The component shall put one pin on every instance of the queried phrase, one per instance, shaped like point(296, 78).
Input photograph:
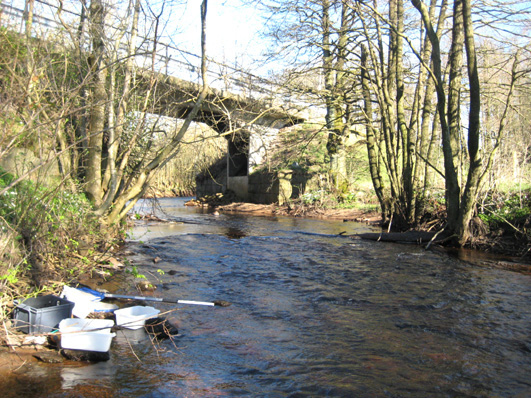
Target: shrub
point(40, 231)
point(507, 211)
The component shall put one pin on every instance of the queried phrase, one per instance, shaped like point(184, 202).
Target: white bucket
point(134, 317)
point(86, 334)
point(87, 341)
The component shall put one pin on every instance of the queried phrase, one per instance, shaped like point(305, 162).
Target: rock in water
point(85, 356)
point(161, 328)
point(49, 357)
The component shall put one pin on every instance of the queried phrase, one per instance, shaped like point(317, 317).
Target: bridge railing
point(168, 59)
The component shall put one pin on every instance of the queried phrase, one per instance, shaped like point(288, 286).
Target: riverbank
point(357, 215)
point(497, 252)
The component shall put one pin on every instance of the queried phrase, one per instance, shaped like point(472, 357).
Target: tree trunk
point(450, 137)
point(472, 185)
point(334, 73)
point(460, 209)
point(114, 171)
point(332, 118)
point(407, 135)
point(98, 100)
point(427, 115)
point(450, 172)
point(28, 17)
point(372, 148)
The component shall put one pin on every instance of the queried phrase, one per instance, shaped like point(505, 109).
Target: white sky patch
point(232, 31)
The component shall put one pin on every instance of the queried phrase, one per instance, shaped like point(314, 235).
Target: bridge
point(247, 109)
point(250, 125)
point(222, 110)
point(247, 97)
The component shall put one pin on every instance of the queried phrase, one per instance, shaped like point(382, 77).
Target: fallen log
point(416, 237)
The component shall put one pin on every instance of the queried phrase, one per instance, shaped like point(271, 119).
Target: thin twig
point(130, 346)
point(434, 237)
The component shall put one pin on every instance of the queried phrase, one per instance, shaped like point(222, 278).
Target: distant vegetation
point(199, 150)
point(303, 149)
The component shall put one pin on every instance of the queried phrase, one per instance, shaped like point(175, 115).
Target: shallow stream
point(313, 314)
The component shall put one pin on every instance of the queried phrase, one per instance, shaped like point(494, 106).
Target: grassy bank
point(48, 236)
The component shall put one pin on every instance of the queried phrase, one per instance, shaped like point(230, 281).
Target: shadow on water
point(314, 314)
point(234, 233)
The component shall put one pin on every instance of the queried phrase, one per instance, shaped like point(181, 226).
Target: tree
point(113, 180)
point(335, 89)
point(313, 37)
point(416, 79)
point(460, 199)
point(398, 130)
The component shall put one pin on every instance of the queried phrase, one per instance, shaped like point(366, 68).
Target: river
point(313, 314)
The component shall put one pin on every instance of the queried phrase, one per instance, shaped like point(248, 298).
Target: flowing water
point(313, 314)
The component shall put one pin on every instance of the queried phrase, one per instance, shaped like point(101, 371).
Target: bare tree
point(314, 37)
point(398, 130)
point(461, 199)
point(416, 78)
point(121, 148)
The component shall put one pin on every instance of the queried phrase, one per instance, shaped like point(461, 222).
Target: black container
point(41, 314)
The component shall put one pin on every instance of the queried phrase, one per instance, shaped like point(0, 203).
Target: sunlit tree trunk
point(114, 172)
point(372, 141)
point(98, 100)
point(450, 170)
point(475, 163)
point(334, 57)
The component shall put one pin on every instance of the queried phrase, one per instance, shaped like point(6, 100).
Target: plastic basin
point(86, 334)
point(134, 317)
point(87, 341)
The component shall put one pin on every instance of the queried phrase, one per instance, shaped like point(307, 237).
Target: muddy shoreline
point(370, 217)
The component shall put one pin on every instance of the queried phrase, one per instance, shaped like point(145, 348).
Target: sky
point(233, 30)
